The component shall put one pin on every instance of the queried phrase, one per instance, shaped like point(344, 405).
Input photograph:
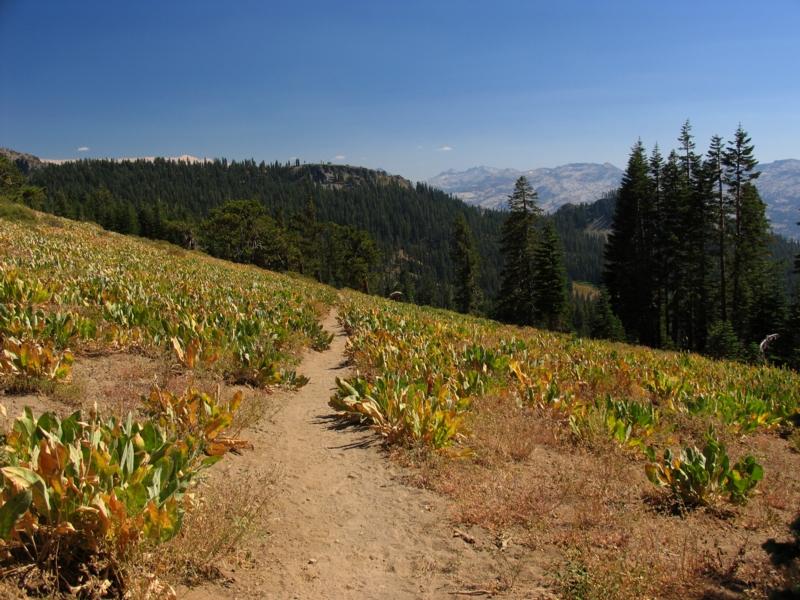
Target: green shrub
point(722, 341)
point(698, 478)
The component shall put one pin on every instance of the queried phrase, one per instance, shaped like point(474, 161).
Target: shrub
point(402, 411)
point(698, 478)
point(722, 341)
point(25, 362)
point(11, 211)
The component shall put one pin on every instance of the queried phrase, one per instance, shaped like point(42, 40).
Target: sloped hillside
point(127, 369)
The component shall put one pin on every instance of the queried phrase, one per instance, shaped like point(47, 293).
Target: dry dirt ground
point(342, 523)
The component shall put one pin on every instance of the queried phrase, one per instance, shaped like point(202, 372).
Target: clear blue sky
point(412, 87)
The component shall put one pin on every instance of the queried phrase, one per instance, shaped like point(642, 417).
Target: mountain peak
point(576, 183)
point(490, 187)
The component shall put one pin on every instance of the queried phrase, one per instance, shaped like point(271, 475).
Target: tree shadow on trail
point(344, 364)
point(786, 557)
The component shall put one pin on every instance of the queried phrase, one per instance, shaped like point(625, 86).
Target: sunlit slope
point(421, 369)
point(604, 461)
point(70, 288)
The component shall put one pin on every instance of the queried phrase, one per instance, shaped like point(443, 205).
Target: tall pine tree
point(551, 301)
point(691, 256)
point(517, 287)
point(628, 271)
point(740, 170)
point(720, 211)
point(752, 254)
point(465, 260)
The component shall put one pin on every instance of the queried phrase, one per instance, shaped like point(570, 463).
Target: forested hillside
point(411, 225)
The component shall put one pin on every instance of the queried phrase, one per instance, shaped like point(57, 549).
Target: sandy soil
point(343, 524)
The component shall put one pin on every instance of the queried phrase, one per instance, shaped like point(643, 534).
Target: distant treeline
point(411, 225)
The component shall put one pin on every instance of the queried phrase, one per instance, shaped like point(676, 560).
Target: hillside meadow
point(618, 471)
point(137, 365)
point(626, 472)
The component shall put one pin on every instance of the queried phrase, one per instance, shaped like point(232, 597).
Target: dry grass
point(214, 533)
point(587, 507)
point(585, 290)
point(794, 439)
point(9, 591)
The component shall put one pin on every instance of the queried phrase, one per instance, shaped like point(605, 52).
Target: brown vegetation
point(592, 514)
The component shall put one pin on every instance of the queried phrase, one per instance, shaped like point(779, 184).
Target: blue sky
point(412, 87)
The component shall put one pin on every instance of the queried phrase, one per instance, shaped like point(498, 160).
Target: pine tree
point(723, 342)
point(788, 344)
point(721, 213)
point(465, 260)
point(517, 286)
point(604, 323)
point(688, 157)
point(306, 238)
point(628, 270)
point(659, 252)
point(670, 242)
point(752, 254)
point(551, 301)
point(740, 170)
point(692, 253)
point(797, 262)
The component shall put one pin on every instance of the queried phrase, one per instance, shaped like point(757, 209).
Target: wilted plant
point(402, 411)
point(24, 362)
point(78, 487)
point(197, 415)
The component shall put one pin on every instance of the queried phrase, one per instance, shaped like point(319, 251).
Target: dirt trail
point(343, 525)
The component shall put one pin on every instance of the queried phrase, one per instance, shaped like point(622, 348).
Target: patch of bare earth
point(113, 383)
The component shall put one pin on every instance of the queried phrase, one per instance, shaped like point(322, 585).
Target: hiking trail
point(342, 523)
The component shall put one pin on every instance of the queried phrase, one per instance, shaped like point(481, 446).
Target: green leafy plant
point(698, 478)
point(402, 411)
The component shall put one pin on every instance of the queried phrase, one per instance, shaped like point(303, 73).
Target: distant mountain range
point(488, 187)
point(779, 185)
